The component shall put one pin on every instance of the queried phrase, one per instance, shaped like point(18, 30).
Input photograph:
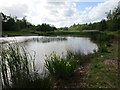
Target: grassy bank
point(56, 33)
point(103, 69)
point(52, 33)
point(18, 33)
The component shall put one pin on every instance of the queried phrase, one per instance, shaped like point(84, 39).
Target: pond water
point(41, 45)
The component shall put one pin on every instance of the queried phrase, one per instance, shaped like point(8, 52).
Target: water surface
point(41, 45)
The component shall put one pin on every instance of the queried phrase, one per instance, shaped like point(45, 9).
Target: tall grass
point(103, 40)
point(83, 58)
point(102, 37)
point(18, 69)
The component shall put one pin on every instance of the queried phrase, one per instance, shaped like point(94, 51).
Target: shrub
point(60, 67)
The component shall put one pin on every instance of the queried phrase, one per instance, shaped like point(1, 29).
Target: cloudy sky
point(59, 13)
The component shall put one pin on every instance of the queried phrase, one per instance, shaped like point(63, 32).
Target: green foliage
point(102, 25)
point(60, 67)
point(102, 38)
point(101, 74)
point(10, 23)
point(45, 27)
point(114, 19)
point(103, 48)
point(18, 69)
point(82, 58)
point(79, 27)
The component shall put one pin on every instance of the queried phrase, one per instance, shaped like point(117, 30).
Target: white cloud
point(18, 10)
point(77, 0)
point(98, 12)
point(88, 8)
point(53, 13)
point(58, 13)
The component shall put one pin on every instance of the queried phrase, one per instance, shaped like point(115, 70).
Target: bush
point(60, 67)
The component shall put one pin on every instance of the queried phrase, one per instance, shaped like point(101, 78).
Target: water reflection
point(42, 45)
point(45, 39)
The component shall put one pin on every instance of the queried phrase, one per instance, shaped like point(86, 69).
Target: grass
point(53, 33)
point(101, 75)
point(18, 33)
point(83, 59)
point(18, 72)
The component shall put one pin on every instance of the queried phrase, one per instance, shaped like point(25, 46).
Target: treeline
point(10, 23)
point(45, 27)
point(86, 26)
point(112, 23)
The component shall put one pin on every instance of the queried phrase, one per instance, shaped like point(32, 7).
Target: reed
point(18, 69)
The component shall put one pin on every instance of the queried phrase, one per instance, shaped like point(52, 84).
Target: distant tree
point(102, 25)
point(65, 28)
point(45, 27)
point(10, 23)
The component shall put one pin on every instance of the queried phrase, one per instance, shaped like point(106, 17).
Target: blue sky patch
point(82, 5)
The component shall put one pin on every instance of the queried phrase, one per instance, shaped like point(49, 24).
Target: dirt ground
point(77, 81)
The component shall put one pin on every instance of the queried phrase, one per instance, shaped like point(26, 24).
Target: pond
point(41, 45)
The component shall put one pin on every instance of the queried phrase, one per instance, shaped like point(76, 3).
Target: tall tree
point(102, 25)
point(114, 19)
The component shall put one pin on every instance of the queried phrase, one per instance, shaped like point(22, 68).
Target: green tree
point(102, 25)
point(10, 23)
point(45, 27)
point(114, 19)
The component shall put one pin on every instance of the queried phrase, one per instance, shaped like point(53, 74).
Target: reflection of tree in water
point(46, 39)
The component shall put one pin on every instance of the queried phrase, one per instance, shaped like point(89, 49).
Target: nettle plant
point(59, 66)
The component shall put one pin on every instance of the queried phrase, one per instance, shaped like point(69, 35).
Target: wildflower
point(58, 56)
point(68, 64)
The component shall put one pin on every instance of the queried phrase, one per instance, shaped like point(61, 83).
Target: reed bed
point(18, 69)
